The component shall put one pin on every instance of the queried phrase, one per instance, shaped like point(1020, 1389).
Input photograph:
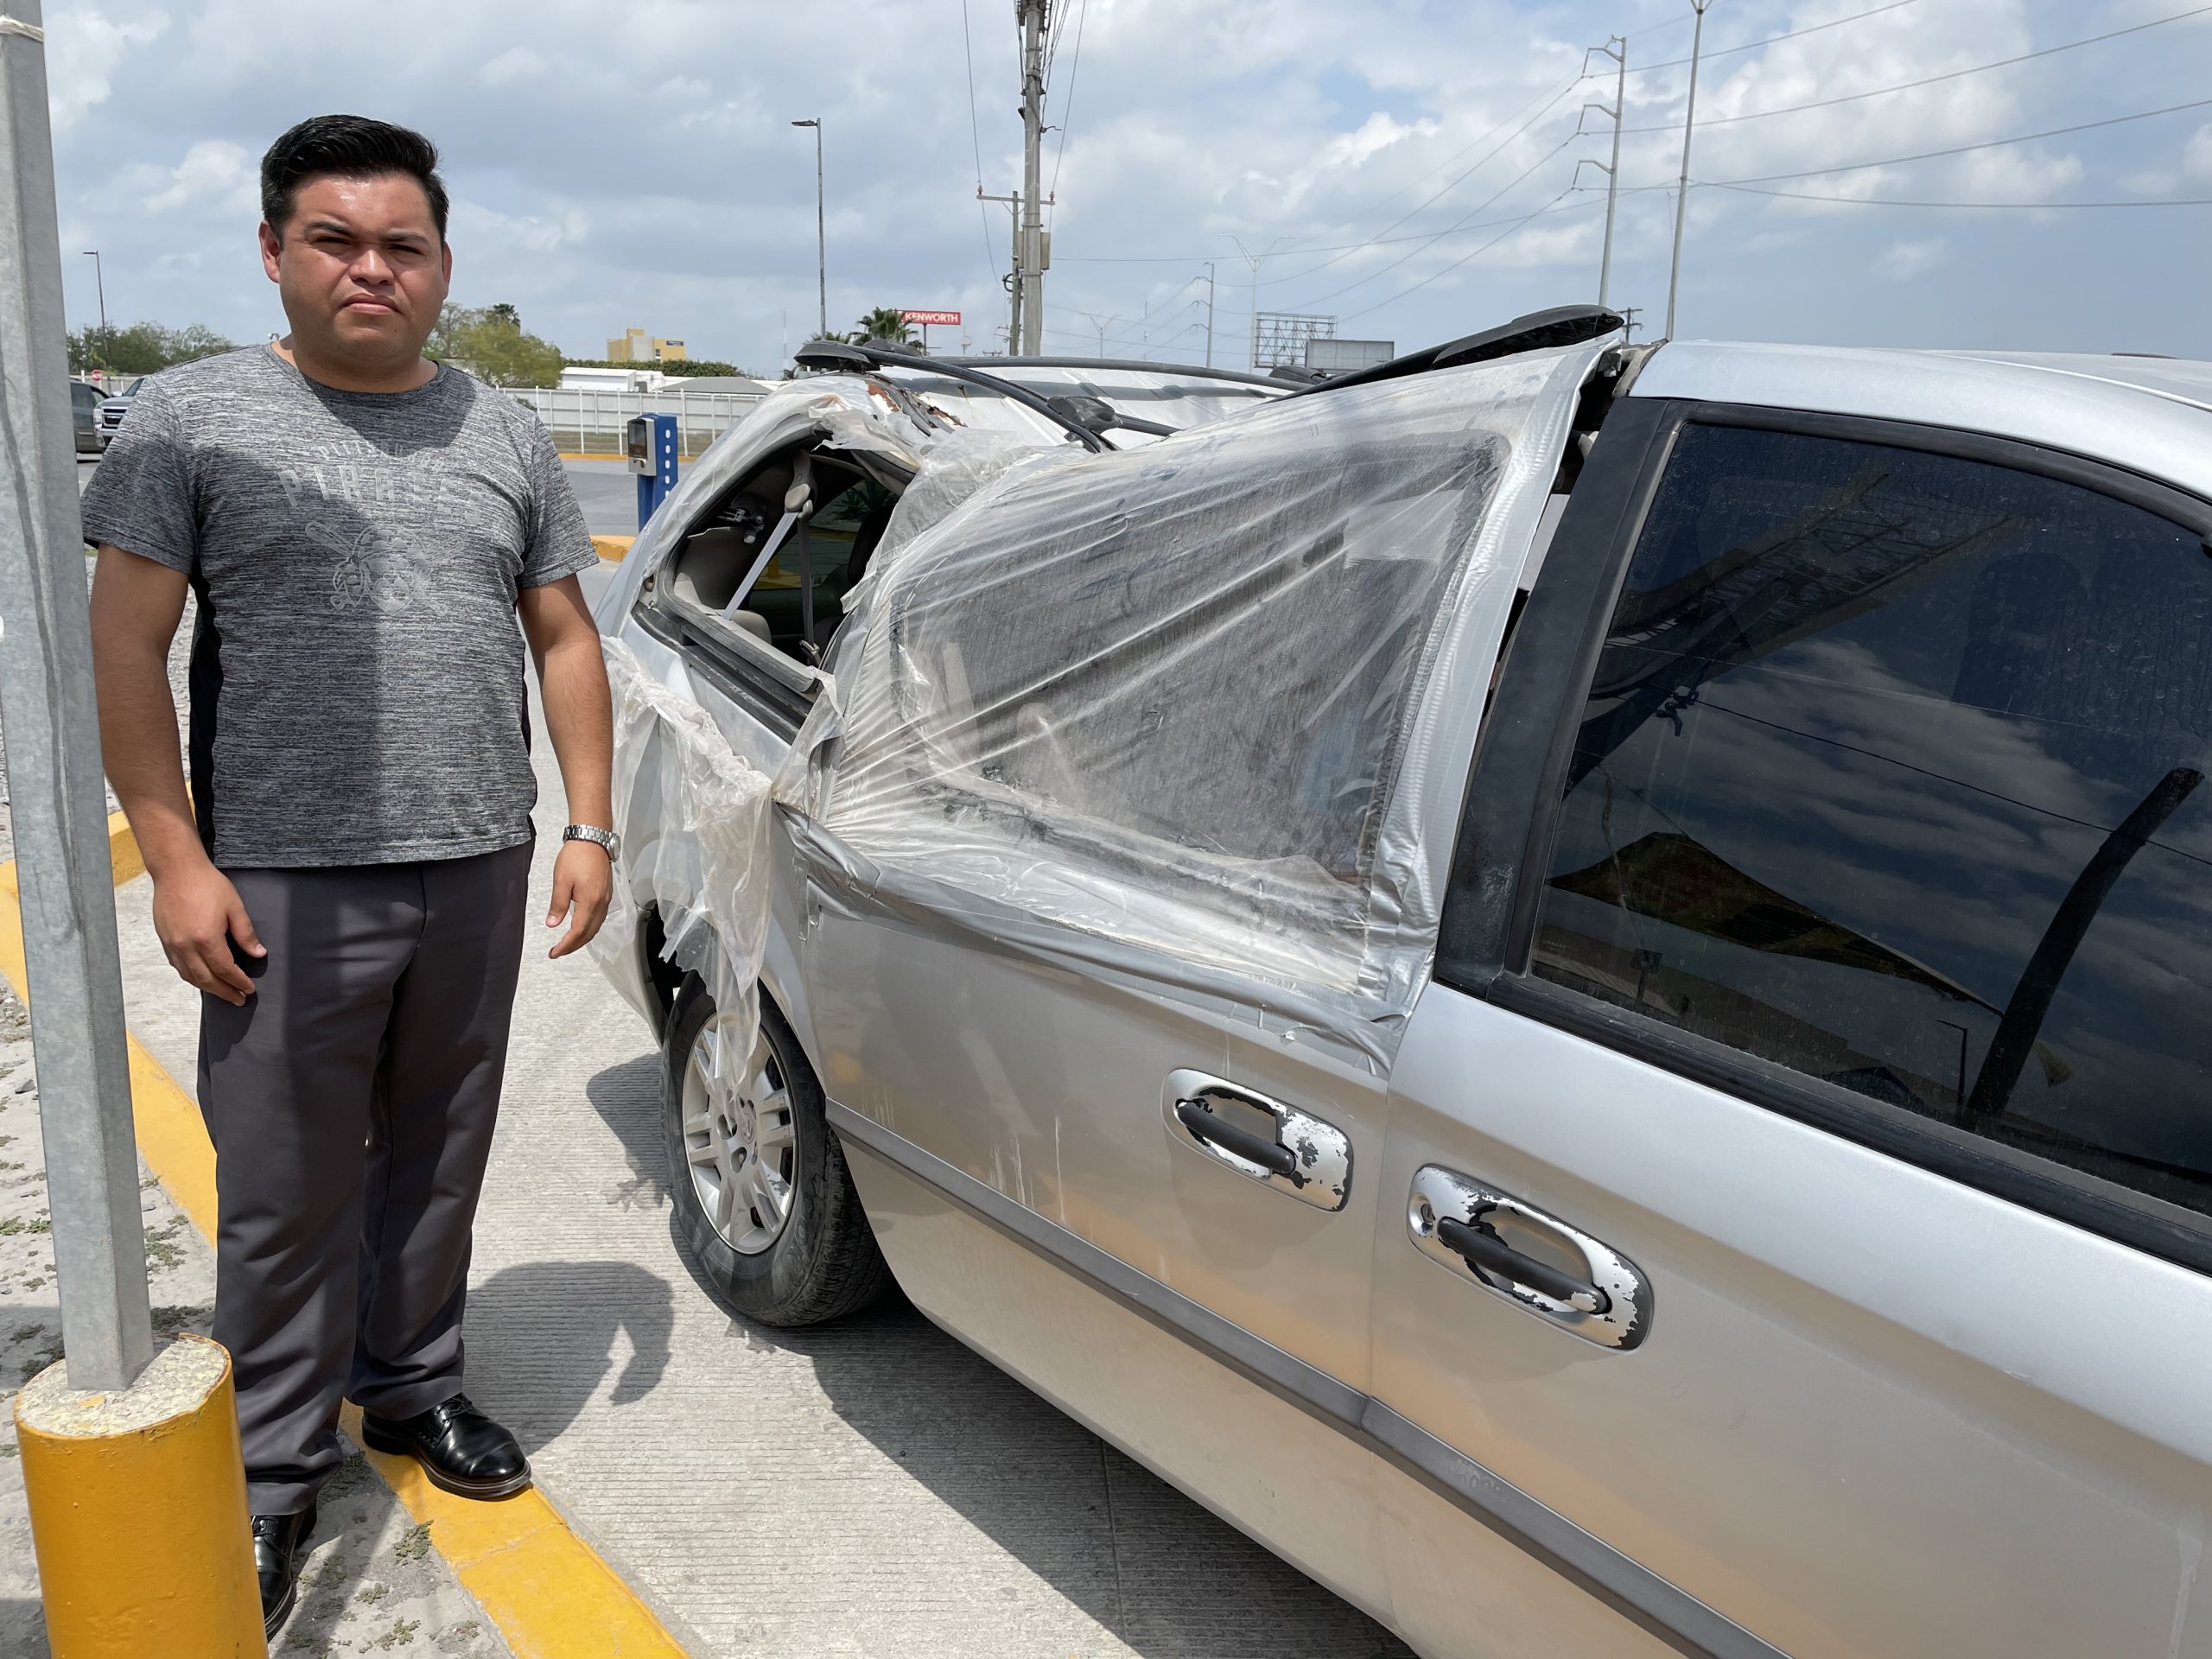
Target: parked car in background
point(1567, 980)
point(115, 407)
point(84, 410)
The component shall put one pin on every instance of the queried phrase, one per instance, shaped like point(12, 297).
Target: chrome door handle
point(1452, 1218)
point(1306, 1157)
point(1198, 1118)
point(1483, 1250)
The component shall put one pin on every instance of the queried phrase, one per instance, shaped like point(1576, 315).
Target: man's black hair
point(352, 146)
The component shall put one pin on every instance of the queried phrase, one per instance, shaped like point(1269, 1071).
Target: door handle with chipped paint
point(1306, 1157)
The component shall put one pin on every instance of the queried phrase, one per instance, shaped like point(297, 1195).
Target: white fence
point(590, 421)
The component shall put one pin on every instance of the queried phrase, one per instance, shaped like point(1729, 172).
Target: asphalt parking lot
point(608, 492)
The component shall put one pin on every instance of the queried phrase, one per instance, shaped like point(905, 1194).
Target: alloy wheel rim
point(740, 1142)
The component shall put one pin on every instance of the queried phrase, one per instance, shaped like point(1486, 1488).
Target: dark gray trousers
point(351, 1102)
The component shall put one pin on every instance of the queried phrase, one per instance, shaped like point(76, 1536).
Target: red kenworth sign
point(933, 319)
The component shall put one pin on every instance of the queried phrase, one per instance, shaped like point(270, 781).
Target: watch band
point(592, 832)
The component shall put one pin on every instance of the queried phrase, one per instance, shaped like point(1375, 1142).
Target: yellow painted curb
point(613, 549)
point(547, 1590)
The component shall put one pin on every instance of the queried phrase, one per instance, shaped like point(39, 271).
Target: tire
point(753, 1140)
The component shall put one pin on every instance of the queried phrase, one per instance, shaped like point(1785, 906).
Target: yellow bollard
point(137, 1504)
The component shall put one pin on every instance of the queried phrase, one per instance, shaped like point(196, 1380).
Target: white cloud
point(2196, 159)
point(83, 50)
point(1903, 261)
point(645, 173)
point(214, 174)
point(516, 63)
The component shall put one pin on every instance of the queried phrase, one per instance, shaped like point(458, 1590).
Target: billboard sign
point(933, 319)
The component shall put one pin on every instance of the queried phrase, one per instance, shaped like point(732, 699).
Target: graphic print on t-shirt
point(370, 566)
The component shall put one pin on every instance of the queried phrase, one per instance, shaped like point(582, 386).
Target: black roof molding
point(832, 356)
point(1563, 325)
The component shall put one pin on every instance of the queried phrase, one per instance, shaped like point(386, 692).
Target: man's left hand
point(583, 883)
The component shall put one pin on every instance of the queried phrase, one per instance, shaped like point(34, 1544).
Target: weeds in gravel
point(415, 1543)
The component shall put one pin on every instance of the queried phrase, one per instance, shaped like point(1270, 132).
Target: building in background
point(636, 347)
point(1328, 355)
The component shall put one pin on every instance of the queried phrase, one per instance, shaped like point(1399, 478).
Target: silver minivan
point(1567, 980)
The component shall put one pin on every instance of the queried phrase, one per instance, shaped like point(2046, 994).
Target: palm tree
point(887, 324)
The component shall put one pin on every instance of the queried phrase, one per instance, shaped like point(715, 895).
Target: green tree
point(490, 344)
point(885, 323)
point(140, 348)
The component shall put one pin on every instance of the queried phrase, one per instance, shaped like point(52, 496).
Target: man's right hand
point(197, 913)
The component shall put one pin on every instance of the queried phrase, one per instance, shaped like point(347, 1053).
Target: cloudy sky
point(613, 166)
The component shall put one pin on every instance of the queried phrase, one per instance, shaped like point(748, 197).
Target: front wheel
point(759, 1183)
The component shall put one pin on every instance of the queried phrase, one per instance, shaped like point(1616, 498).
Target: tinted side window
point(1893, 773)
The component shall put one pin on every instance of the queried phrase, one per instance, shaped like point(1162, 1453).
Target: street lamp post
point(1682, 191)
point(821, 225)
point(100, 279)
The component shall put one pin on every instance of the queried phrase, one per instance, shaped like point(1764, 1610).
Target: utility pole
point(1031, 14)
point(821, 226)
point(1209, 314)
point(100, 279)
point(1682, 195)
point(1099, 324)
point(1252, 260)
point(1616, 48)
point(1014, 271)
point(60, 808)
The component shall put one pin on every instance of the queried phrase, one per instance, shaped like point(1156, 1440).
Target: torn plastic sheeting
point(1175, 699)
point(840, 412)
point(693, 820)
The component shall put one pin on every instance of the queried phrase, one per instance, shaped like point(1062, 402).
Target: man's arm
point(579, 717)
point(197, 912)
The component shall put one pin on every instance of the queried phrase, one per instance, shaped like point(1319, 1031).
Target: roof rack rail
point(1563, 325)
point(1240, 377)
point(832, 356)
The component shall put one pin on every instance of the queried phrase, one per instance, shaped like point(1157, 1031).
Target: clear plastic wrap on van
point(1170, 710)
point(699, 852)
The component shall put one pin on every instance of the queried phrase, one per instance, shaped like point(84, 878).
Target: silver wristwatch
point(592, 832)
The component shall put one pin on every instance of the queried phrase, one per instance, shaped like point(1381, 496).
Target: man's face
point(361, 268)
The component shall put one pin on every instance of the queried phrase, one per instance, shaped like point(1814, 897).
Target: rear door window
point(1893, 773)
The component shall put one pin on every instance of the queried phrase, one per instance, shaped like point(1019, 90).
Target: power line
point(1960, 150)
point(1789, 34)
point(976, 136)
point(1067, 110)
point(1547, 100)
point(1514, 184)
point(1513, 230)
point(1460, 179)
point(1930, 80)
point(1890, 201)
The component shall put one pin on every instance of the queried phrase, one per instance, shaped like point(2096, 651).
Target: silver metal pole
point(58, 807)
point(1209, 314)
point(821, 234)
point(100, 278)
point(1033, 138)
point(1682, 195)
point(1613, 173)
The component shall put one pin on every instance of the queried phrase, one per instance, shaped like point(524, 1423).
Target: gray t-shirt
point(357, 672)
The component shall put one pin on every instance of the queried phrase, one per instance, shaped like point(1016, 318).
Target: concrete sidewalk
point(867, 1488)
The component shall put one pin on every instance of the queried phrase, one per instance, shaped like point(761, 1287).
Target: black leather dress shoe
point(460, 1448)
point(279, 1541)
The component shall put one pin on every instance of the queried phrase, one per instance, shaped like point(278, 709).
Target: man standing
point(346, 882)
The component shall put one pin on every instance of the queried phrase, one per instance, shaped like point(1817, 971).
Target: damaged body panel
point(1437, 959)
